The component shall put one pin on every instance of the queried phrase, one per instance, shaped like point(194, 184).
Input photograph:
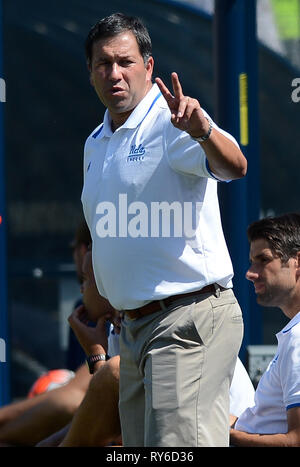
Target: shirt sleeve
point(186, 155)
point(113, 343)
point(86, 158)
point(290, 370)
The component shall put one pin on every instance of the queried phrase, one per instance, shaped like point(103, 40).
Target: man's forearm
point(243, 439)
point(47, 413)
point(224, 157)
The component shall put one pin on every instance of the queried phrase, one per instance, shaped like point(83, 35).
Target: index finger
point(164, 90)
point(78, 311)
point(176, 86)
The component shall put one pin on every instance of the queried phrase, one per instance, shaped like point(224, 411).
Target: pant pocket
point(203, 320)
point(161, 374)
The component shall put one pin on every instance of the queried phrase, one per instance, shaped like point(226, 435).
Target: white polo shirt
point(241, 390)
point(113, 347)
point(279, 387)
point(151, 204)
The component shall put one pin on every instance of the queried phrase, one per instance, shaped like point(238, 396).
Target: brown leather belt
point(156, 305)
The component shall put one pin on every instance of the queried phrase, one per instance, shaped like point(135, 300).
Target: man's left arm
point(226, 161)
point(289, 439)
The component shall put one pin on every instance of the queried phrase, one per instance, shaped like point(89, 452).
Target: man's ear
point(149, 67)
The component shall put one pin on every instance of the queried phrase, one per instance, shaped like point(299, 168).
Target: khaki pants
point(176, 370)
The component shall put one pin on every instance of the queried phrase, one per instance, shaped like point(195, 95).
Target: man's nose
point(251, 274)
point(115, 71)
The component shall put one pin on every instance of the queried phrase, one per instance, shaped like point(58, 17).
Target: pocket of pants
point(237, 316)
point(203, 320)
point(160, 381)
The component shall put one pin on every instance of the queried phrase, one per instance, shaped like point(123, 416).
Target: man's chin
point(262, 299)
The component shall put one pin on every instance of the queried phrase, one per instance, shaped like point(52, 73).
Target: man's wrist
point(93, 349)
point(92, 361)
point(205, 136)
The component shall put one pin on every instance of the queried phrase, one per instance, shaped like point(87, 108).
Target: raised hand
point(186, 112)
point(92, 339)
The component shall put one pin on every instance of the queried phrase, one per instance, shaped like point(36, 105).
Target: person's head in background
point(275, 262)
point(95, 305)
point(80, 245)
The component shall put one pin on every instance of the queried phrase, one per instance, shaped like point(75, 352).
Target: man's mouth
point(116, 90)
point(259, 287)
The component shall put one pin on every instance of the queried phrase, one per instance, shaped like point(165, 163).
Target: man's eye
point(125, 62)
point(264, 260)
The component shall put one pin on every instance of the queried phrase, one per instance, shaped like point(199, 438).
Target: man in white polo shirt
point(159, 254)
point(274, 419)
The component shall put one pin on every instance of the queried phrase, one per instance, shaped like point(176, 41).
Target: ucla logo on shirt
point(136, 153)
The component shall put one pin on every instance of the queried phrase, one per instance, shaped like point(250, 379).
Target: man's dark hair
point(281, 232)
point(115, 24)
point(82, 235)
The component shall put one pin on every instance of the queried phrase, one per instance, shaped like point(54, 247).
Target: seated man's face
point(95, 305)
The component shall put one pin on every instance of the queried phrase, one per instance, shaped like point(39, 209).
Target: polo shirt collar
point(137, 116)
point(295, 320)
point(143, 108)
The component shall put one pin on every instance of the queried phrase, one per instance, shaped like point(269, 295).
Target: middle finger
point(177, 86)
